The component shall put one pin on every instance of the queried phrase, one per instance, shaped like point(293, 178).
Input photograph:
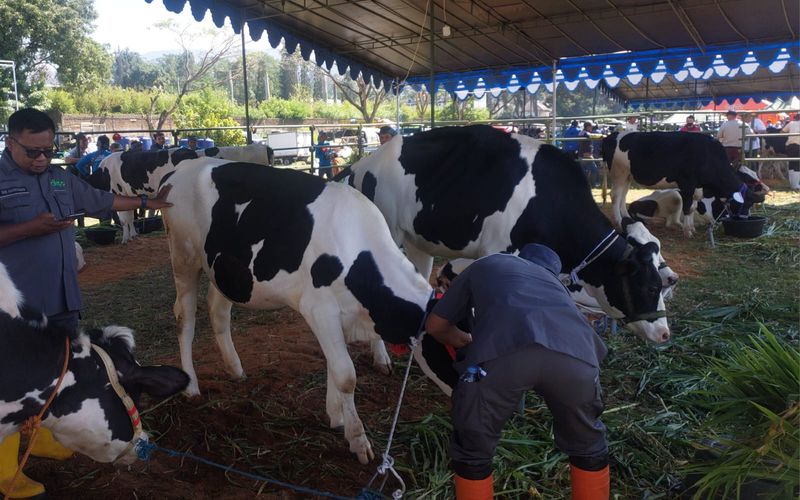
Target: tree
point(364, 96)
point(36, 37)
point(130, 70)
point(188, 70)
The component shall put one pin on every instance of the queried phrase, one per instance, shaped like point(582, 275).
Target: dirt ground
point(272, 423)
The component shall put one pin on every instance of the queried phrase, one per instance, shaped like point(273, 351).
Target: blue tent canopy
point(640, 50)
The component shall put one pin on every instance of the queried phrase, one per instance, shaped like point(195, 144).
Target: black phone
point(73, 216)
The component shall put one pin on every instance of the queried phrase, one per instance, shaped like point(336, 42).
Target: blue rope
point(144, 449)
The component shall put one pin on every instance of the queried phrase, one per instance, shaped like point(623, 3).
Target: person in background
point(571, 131)
point(191, 142)
point(37, 246)
point(793, 151)
point(585, 151)
point(135, 146)
point(690, 125)
point(116, 147)
point(386, 133)
point(91, 162)
point(730, 135)
point(752, 146)
point(527, 334)
point(158, 141)
point(631, 124)
point(325, 156)
point(75, 154)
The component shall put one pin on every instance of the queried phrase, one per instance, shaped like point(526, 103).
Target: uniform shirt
point(730, 134)
point(516, 303)
point(324, 154)
point(75, 153)
point(692, 128)
point(43, 268)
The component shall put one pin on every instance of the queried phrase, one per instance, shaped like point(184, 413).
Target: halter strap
point(130, 407)
point(591, 257)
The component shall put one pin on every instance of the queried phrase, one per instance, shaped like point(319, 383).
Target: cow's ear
point(646, 252)
point(626, 267)
point(157, 381)
point(626, 221)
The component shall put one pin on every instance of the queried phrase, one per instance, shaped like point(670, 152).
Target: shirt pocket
point(16, 208)
point(65, 203)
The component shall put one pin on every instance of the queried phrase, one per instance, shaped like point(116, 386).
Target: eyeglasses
point(33, 153)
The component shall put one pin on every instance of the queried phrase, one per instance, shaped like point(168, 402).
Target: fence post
point(741, 150)
point(313, 150)
point(360, 142)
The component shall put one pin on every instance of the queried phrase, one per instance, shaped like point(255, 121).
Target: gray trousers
point(570, 388)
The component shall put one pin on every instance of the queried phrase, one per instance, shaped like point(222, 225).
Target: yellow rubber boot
point(24, 487)
point(46, 446)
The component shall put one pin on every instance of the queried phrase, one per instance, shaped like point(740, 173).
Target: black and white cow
point(668, 159)
point(474, 191)
point(134, 173)
point(666, 204)
point(252, 153)
point(86, 415)
point(269, 238)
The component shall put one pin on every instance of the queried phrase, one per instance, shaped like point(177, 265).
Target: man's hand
point(46, 223)
point(160, 201)
point(445, 333)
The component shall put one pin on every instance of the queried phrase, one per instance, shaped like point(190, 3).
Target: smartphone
point(72, 216)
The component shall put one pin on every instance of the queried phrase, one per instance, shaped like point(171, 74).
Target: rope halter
point(590, 257)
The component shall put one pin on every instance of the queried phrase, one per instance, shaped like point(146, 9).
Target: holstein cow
point(136, 173)
point(252, 153)
point(86, 415)
point(667, 159)
point(665, 205)
point(474, 191)
point(268, 238)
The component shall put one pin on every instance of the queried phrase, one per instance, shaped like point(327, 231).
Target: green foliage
point(61, 100)
point(334, 112)
point(209, 108)
point(286, 109)
point(105, 100)
point(130, 70)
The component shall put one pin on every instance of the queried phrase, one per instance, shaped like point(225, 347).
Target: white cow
point(269, 238)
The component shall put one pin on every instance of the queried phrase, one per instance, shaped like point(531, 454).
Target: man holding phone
point(38, 206)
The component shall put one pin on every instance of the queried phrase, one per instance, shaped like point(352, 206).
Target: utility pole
point(230, 84)
point(266, 86)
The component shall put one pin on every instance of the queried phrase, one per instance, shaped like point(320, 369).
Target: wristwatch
point(144, 201)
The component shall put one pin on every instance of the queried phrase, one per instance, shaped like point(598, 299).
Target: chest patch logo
point(58, 184)
point(12, 191)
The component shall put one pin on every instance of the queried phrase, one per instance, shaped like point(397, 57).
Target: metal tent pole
point(553, 111)
point(432, 90)
point(397, 103)
point(246, 95)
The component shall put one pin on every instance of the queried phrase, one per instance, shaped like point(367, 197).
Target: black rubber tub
point(148, 224)
point(744, 227)
point(101, 235)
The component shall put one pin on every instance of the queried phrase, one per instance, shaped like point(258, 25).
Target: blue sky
point(129, 24)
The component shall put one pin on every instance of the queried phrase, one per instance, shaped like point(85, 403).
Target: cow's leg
point(186, 281)
point(380, 358)
point(126, 221)
point(687, 197)
point(619, 192)
point(326, 325)
point(219, 312)
point(421, 260)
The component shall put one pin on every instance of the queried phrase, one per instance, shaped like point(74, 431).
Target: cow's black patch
point(351, 181)
point(439, 360)
point(100, 179)
point(643, 207)
point(325, 270)
point(180, 154)
point(396, 319)
point(164, 179)
point(211, 152)
point(463, 175)
point(277, 214)
point(119, 187)
point(368, 185)
point(137, 165)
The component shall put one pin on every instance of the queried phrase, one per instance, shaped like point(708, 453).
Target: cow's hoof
point(192, 390)
point(363, 450)
point(385, 368)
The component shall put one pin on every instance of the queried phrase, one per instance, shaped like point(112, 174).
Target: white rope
point(573, 275)
point(416, 49)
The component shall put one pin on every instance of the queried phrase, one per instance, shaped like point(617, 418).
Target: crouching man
point(526, 334)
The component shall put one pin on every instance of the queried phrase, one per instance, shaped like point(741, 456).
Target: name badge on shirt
point(13, 191)
point(58, 184)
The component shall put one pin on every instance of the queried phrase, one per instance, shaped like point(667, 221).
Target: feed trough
point(101, 235)
point(744, 227)
point(148, 224)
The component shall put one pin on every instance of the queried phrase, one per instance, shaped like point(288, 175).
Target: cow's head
point(752, 191)
point(631, 292)
point(88, 416)
point(637, 234)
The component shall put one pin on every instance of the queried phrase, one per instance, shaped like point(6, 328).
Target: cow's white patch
point(119, 332)
point(10, 297)
point(240, 208)
point(87, 431)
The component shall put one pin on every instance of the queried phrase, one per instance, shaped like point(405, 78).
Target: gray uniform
point(526, 334)
point(44, 268)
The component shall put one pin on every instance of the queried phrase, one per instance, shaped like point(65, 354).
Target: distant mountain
point(153, 55)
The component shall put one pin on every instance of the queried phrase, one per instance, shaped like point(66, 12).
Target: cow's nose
point(672, 280)
point(665, 335)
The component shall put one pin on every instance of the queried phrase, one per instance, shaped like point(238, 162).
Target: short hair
point(690, 116)
point(386, 129)
point(192, 138)
point(574, 123)
point(30, 119)
point(158, 134)
point(80, 136)
point(103, 140)
point(731, 112)
point(115, 145)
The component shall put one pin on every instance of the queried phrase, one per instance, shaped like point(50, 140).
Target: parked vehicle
point(289, 147)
